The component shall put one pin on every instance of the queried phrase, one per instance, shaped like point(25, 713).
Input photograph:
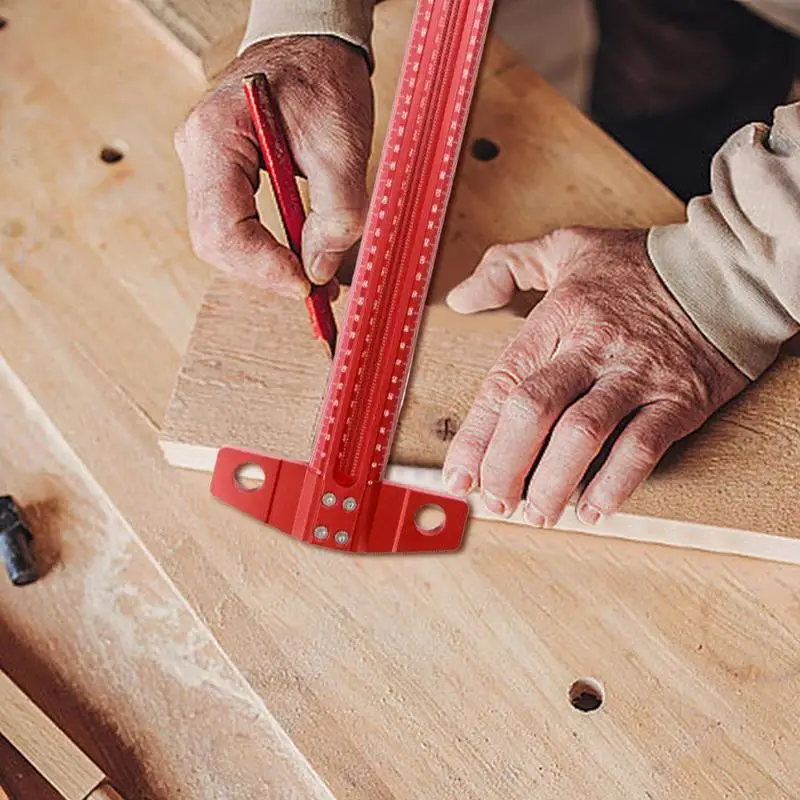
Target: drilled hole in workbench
point(485, 150)
point(111, 155)
point(249, 477)
point(586, 694)
point(430, 519)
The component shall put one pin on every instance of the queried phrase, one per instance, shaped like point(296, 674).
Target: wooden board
point(441, 677)
point(52, 754)
point(31, 732)
point(251, 359)
point(19, 779)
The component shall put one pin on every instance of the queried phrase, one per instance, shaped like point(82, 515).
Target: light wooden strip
point(633, 527)
point(45, 745)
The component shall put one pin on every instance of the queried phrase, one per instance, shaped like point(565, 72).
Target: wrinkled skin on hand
point(606, 347)
point(321, 85)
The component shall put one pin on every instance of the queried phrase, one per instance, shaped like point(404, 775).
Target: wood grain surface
point(111, 652)
point(53, 754)
point(445, 677)
point(252, 377)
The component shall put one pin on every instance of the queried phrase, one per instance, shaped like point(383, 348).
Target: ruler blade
point(401, 239)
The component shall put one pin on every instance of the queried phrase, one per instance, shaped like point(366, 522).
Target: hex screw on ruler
point(339, 500)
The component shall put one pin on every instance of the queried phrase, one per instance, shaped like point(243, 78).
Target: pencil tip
point(330, 345)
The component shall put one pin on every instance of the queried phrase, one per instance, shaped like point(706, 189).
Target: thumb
point(518, 266)
point(335, 222)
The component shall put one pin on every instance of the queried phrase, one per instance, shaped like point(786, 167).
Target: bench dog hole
point(111, 154)
point(586, 694)
point(485, 150)
point(249, 477)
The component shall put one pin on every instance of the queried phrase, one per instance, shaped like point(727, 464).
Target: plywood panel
point(441, 677)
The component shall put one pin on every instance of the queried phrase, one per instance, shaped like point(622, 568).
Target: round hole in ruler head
point(586, 694)
point(485, 150)
point(430, 519)
point(249, 477)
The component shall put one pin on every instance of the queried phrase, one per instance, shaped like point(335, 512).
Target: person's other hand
point(606, 348)
point(321, 85)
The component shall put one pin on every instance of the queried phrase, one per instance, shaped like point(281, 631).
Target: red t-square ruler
point(339, 499)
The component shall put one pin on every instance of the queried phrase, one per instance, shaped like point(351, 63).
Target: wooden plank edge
point(44, 745)
point(165, 33)
point(105, 792)
point(629, 527)
point(219, 54)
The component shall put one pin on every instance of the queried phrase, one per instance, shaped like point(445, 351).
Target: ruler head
point(378, 337)
point(384, 518)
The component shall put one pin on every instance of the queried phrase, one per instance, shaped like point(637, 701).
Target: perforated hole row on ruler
point(405, 137)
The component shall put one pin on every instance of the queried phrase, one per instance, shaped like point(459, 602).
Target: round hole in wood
point(430, 519)
point(111, 154)
point(586, 694)
point(485, 150)
point(249, 477)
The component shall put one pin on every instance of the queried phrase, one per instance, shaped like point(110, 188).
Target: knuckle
point(524, 402)
point(645, 448)
point(203, 122)
point(499, 384)
point(208, 242)
point(586, 424)
point(206, 248)
point(497, 252)
point(567, 240)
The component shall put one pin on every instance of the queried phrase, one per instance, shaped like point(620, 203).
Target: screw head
point(350, 504)
point(342, 537)
point(329, 499)
point(321, 533)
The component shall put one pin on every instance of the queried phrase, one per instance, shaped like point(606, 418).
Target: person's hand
point(607, 348)
point(321, 85)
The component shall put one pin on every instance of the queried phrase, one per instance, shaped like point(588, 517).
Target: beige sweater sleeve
point(734, 265)
point(350, 20)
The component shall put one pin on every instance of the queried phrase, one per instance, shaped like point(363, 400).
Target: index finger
point(221, 180)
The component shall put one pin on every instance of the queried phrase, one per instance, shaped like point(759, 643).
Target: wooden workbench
point(191, 653)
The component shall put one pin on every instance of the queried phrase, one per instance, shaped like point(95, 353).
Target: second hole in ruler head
point(430, 519)
point(250, 477)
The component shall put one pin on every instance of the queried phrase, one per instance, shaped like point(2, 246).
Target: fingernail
point(533, 516)
point(455, 300)
point(323, 267)
point(588, 514)
point(459, 481)
point(495, 505)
